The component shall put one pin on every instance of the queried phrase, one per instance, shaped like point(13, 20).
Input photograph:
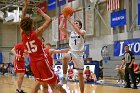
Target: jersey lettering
point(31, 47)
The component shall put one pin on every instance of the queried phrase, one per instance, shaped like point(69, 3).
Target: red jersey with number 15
point(34, 46)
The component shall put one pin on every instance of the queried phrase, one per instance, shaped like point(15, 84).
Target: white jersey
point(76, 42)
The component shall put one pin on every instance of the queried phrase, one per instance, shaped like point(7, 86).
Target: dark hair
point(70, 65)
point(58, 67)
point(49, 44)
point(80, 23)
point(87, 66)
point(126, 45)
point(26, 24)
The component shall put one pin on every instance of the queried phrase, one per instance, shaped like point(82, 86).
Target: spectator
point(1, 69)
point(120, 74)
point(70, 72)
point(5, 69)
point(93, 77)
point(28, 71)
point(137, 68)
point(101, 70)
point(137, 71)
point(59, 72)
point(87, 74)
point(11, 69)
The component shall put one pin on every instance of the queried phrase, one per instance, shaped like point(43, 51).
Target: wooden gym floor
point(8, 85)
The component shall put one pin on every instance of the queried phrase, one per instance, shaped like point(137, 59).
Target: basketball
point(68, 11)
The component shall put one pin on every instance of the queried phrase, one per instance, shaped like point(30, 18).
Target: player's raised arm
point(76, 26)
point(61, 26)
point(24, 10)
point(46, 24)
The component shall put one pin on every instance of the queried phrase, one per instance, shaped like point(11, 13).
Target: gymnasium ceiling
point(8, 4)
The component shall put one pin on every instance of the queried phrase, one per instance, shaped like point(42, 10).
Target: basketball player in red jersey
point(70, 73)
point(33, 43)
point(19, 65)
point(87, 73)
point(49, 54)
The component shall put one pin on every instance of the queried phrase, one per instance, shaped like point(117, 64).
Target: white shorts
point(77, 59)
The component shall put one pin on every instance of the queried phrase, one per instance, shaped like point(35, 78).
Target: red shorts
point(19, 67)
point(43, 72)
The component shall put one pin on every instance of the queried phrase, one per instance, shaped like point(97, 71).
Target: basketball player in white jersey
point(76, 44)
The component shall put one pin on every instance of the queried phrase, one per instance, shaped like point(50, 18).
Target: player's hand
point(34, 10)
point(18, 56)
point(37, 11)
point(68, 17)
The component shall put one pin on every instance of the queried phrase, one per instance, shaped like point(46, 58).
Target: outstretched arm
point(61, 26)
point(53, 51)
point(46, 24)
point(24, 10)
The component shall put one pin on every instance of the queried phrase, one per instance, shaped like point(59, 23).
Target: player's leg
point(45, 87)
point(131, 71)
point(20, 77)
point(65, 60)
point(79, 64)
point(36, 71)
point(20, 71)
point(36, 87)
point(48, 76)
point(127, 80)
point(81, 81)
point(57, 87)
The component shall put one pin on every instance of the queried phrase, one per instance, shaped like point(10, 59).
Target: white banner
point(55, 29)
point(89, 21)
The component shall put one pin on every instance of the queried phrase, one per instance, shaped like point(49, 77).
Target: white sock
point(19, 90)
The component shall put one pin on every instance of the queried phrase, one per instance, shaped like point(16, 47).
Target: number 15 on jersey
point(31, 47)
